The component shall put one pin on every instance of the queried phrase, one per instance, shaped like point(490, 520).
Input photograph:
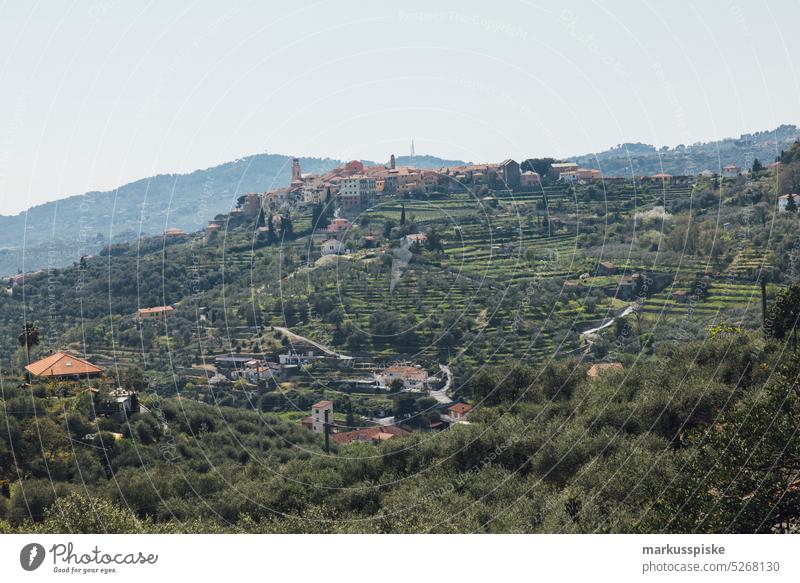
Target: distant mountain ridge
point(637, 159)
point(57, 233)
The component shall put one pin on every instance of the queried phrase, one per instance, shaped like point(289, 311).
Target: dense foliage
point(699, 437)
point(696, 431)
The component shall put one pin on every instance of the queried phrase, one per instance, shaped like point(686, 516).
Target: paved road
point(323, 348)
point(631, 308)
point(441, 394)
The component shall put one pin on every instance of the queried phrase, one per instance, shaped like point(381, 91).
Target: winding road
point(441, 394)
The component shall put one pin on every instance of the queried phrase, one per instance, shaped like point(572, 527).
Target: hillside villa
point(155, 313)
point(338, 225)
point(370, 434)
point(416, 238)
point(460, 411)
point(412, 377)
point(562, 167)
point(63, 366)
point(322, 417)
point(174, 232)
point(255, 370)
point(332, 247)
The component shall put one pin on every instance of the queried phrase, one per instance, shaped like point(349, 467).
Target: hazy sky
point(96, 94)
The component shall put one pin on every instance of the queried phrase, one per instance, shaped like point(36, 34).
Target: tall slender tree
point(270, 229)
point(791, 205)
point(287, 229)
point(29, 337)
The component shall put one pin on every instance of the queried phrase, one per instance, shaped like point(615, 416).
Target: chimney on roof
point(392, 162)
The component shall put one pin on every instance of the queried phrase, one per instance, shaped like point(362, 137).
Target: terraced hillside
point(511, 276)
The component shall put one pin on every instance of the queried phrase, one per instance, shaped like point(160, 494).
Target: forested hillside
point(699, 437)
point(644, 160)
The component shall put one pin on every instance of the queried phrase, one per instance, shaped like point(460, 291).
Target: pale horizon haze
point(97, 94)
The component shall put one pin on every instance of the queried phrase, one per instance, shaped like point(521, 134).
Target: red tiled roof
point(156, 310)
point(61, 364)
point(407, 371)
point(370, 433)
point(597, 369)
point(460, 408)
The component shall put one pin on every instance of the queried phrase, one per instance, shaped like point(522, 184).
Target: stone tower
point(321, 415)
point(295, 170)
point(392, 163)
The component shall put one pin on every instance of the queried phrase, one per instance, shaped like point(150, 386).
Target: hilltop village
point(475, 318)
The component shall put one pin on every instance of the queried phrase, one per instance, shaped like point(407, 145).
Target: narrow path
point(291, 335)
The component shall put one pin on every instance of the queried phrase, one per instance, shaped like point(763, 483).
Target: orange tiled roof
point(460, 408)
point(61, 364)
point(156, 310)
point(380, 433)
point(404, 369)
point(597, 369)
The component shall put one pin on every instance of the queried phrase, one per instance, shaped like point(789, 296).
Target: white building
point(255, 370)
point(416, 238)
point(333, 247)
point(355, 190)
point(313, 193)
point(412, 377)
point(783, 200)
point(296, 358)
point(321, 414)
